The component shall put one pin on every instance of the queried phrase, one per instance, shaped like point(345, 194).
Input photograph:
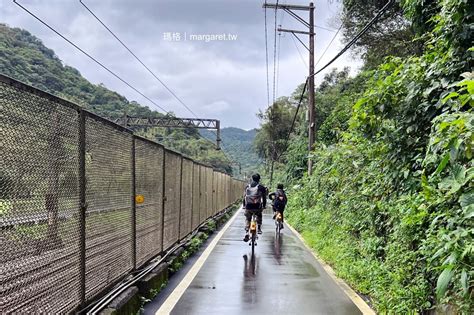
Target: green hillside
point(238, 144)
point(25, 58)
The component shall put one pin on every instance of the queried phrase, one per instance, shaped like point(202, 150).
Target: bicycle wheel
point(253, 239)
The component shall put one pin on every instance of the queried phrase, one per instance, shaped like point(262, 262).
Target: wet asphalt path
point(281, 278)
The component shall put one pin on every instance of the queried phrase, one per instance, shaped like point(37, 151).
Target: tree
point(271, 139)
point(392, 35)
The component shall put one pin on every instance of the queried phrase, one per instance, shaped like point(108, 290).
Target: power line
point(135, 56)
point(358, 35)
point(278, 62)
point(266, 57)
point(324, 28)
point(299, 52)
point(282, 16)
point(351, 42)
point(139, 60)
point(329, 45)
point(325, 50)
point(297, 108)
point(95, 60)
point(274, 53)
point(294, 117)
point(92, 58)
point(333, 38)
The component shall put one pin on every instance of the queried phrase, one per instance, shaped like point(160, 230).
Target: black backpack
point(280, 200)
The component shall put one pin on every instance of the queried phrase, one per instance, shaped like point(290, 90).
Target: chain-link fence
point(186, 198)
point(149, 177)
point(202, 193)
point(71, 227)
point(196, 196)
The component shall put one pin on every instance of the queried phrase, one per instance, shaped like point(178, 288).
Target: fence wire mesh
point(39, 203)
point(70, 228)
point(218, 191)
point(210, 188)
point(196, 196)
point(186, 198)
point(149, 183)
point(172, 199)
point(229, 187)
point(215, 188)
point(221, 191)
point(226, 181)
point(109, 205)
point(225, 188)
point(203, 193)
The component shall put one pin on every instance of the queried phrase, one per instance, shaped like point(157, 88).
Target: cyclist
point(279, 201)
point(255, 200)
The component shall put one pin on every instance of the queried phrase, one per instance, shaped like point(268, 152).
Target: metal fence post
point(163, 201)
point(192, 196)
point(134, 209)
point(180, 196)
point(83, 207)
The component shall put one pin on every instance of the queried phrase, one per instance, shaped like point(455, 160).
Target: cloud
point(216, 107)
point(218, 79)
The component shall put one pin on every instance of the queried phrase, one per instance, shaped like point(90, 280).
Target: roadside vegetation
point(390, 203)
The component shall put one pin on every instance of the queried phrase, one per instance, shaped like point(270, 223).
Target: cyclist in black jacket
point(279, 201)
point(255, 200)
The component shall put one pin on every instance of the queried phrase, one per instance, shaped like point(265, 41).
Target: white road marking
point(356, 299)
point(174, 297)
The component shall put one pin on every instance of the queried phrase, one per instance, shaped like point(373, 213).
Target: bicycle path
point(283, 277)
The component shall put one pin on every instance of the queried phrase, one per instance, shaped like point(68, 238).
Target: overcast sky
point(225, 80)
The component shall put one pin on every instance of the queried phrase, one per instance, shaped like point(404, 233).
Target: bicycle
point(278, 223)
point(253, 232)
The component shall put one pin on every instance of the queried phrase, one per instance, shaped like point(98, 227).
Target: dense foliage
point(25, 58)
point(390, 204)
point(393, 35)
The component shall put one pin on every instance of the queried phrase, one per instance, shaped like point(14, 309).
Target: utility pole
point(312, 123)
point(289, 8)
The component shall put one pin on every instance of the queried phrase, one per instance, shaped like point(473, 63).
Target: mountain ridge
point(236, 141)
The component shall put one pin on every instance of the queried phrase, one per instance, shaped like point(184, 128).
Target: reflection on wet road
point(281, 278)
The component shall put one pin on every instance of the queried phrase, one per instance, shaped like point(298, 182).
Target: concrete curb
point(152, 283)
point(126, 303)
